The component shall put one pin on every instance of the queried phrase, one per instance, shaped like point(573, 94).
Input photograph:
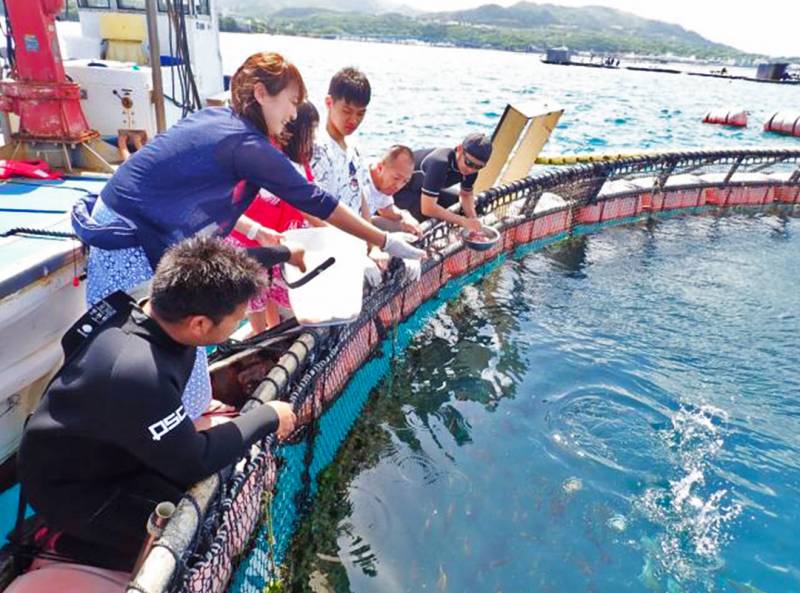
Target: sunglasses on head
point(472, 164)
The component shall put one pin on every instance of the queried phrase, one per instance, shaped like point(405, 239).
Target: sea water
point(427, 96)
point(617, 413)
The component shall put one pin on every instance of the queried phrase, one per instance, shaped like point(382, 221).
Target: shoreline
point(625, 58)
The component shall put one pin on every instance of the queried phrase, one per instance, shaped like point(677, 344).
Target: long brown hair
point(274, 72)
point(298, 142)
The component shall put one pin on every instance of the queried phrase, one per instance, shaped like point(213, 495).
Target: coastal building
point(559, 55)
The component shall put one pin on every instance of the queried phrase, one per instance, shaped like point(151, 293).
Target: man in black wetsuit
point(110, 438)
point(438, 168)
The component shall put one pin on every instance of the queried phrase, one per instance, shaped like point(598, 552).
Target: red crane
point(52, 124)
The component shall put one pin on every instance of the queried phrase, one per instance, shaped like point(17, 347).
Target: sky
point(769, 27)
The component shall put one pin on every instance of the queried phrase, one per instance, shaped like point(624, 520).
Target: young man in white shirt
point(335, 164)
point(339, 169)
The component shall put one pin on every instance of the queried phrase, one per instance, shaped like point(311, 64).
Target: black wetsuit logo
point(163, 426)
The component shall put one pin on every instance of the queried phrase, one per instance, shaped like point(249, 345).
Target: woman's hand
point(286, 418)
point(217, 407)
point(256, 232)
point(381, 258)
point(297, 253)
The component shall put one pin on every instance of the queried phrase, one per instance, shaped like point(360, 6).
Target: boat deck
point(43, 206)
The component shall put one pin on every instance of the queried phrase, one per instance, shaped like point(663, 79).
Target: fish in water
point(441, 582)
point(649, 578)
point(572, 485)
point(744, 587)
point(617, 523)
point(498, 563)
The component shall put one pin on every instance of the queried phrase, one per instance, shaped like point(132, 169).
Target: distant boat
point(562, 56)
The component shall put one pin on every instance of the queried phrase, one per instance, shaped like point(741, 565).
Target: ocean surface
point(617, 413)
point(427, 96)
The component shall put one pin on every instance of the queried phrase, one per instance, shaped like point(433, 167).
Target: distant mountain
point(525, 26)
point(596, 19)
point(261, 8)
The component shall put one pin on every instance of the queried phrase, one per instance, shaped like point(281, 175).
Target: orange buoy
point(726, 117)
point(784, 122)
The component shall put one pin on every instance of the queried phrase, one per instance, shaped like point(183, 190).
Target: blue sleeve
point(262, 164)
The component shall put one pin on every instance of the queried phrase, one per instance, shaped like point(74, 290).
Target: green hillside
point(525, 26)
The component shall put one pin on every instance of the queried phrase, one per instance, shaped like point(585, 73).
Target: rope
point(11, 61)
point(37, 184)
point(38, 233)
point(574, 159)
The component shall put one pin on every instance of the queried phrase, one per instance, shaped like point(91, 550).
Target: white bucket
point(335, 295)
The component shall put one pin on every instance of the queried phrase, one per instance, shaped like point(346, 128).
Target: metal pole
point(155, 65)
point(5, 127)
point(155, 527)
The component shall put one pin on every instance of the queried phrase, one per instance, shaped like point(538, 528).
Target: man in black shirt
point(110, 438)
point(438, 168)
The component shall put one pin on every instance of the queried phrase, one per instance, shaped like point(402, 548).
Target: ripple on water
point(608, 427)
point(417, 469)
point(373, 513)
point(617, 523)
point(421, 470)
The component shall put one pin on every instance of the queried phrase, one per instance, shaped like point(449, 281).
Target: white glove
point(413, 269)
point(397, 245)
point(372, 272)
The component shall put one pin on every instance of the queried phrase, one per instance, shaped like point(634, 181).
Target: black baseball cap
point(478, 146)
